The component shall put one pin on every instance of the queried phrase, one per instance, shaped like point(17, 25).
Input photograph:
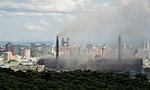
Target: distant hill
point(26, 43)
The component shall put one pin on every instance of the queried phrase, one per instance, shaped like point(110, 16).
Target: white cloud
point(6, 13)
point(47, 5)
point(38, 7)
point(44, 22)
point(58, 19)
point(31, 27)
point(125, 2)
point(70, 17)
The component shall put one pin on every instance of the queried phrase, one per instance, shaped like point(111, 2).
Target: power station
point(95, 64)
point(115, 64)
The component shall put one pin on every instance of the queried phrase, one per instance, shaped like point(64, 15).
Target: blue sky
point(37, 20)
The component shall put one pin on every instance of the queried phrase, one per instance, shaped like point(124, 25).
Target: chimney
point(57, 52)
point(57, 47)
point(119, 48)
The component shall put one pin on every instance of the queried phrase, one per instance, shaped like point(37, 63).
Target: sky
point(40, 20)
point(27, 20)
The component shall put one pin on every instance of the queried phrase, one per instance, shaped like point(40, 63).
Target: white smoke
point(130, 18)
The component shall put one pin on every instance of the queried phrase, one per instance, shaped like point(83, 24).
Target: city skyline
point(75, 44)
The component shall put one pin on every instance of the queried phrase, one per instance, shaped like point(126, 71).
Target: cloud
point(31, 27)
point(70, 17)
point(58, 19)
point(21, 13)
point(21, 7)
point(43, 22)
point(107, 20)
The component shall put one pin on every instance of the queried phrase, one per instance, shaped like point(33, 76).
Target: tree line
point(72, 80)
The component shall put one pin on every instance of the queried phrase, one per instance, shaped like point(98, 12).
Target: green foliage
point(73, 80)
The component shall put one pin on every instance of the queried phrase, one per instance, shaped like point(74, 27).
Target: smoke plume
point(130, 18)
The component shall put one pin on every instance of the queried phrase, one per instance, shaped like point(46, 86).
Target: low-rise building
point(40, 68)
point(7, 56)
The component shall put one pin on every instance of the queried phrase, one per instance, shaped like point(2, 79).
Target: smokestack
point(119, 48)
point(57, 52)
point(57, 47)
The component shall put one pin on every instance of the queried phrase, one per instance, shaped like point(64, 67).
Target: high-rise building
point(63, 41)
point(21, 51)
point(104, 49)
point(9, 46)
point(124, 46)
point(67, 41)
point(144, 44)
point(14, 50)
point(32, 47)
point(96, 52)
point(44, 49)
point(7, 56)
point(36, 52)
point(100, 49)
point(148, 46)
point(27, 53)
point(17, 50)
